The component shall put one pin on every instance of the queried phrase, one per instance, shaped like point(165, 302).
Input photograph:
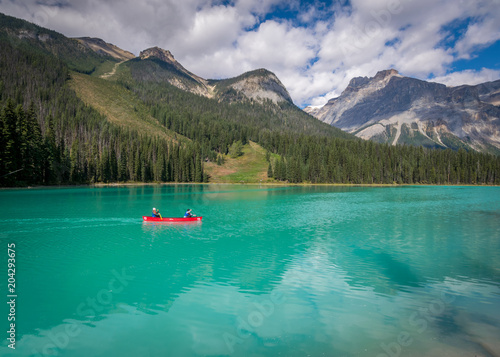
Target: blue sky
point(314, 47)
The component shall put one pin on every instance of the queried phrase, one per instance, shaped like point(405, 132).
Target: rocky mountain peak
point(174, 73)
point(386, 74)
point(371, 83)
point(164, 55)
point(416, 112)
point(260, 85)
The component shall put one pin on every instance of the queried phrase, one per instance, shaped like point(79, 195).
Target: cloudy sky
point(314, 47)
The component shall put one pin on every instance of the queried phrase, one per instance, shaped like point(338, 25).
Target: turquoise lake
point(270, 271)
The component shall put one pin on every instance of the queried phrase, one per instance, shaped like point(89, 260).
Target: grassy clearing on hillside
point(119, 105)
point(104, 68)
point(251, 167)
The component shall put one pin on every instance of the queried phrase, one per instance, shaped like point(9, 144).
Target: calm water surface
point(290, 271)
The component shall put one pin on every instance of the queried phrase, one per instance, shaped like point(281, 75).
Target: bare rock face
point(260, 85)
point(159, 53)
point(489, 92)
point(395, 109)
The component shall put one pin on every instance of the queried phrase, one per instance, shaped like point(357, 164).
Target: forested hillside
point(164, 134)
point(49, 136)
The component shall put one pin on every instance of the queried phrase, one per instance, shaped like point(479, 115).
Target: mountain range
point(394, 109)
point(387, 108)
point(258, 85)
point(81, 110)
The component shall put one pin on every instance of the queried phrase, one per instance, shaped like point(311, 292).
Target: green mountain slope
point(118, 105)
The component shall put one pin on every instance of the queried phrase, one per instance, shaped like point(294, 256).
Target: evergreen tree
point(9, 141)
point(270, 173)
point(34, 153)
point(198, 177)
point(21, 144)
point(50, 155)
point(74, 173)
point(268, 156)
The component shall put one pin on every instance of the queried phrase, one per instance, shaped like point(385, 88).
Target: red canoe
point(170, 219)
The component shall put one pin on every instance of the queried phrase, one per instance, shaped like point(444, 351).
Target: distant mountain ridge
point(78, 56)
point(395, 109)
point(86, 54)
point(258, 85)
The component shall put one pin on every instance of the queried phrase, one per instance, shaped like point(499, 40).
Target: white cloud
point(314, 55)
point(421, 63)
point(259, 7)
point(278, 44)
point(129, 24)
point(470, 77)
point(212, 29)
point(478, 35)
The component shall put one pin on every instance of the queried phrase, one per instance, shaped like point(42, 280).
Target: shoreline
point(270, 184)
